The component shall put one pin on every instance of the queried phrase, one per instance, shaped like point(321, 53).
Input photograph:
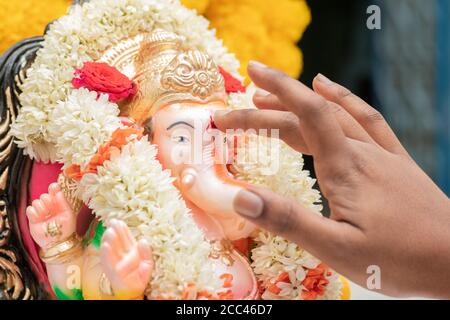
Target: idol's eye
point(180, 139)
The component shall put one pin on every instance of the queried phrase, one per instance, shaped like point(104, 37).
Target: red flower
point(231, 83)
point(315, 282)
point(102, 78)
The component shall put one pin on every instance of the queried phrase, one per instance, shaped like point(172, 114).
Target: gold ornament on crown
point(165, 73)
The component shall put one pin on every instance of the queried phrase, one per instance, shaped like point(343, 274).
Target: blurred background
point(403, 69)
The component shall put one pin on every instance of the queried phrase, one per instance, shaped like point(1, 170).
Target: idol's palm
point(51, 218)
point(127, 263)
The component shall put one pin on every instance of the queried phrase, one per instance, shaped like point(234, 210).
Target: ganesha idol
point(148, 214)
point(178, 93)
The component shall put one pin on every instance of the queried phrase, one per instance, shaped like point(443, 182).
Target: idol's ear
point(20, 275)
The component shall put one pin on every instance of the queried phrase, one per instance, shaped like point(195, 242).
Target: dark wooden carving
point(17, 281)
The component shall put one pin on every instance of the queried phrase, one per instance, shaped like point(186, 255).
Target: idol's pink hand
point(51, 218)
point(128, 264)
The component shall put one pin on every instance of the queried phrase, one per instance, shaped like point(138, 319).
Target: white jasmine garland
point(242, 100)
point(272, 254)
point(81, 125)
point(83, 35)
point(334, 287)
point(133, 187)
point(272, 163)
point(284, 175)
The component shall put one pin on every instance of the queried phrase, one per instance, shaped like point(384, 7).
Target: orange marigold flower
point(120, 138)
point(188, 292)
point(315, 282)
point(284, 277)
point(74, 172)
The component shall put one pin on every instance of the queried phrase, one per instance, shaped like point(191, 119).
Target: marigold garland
point(119, 139)
point(199, 5)
point(27, 18)
point(264, 30)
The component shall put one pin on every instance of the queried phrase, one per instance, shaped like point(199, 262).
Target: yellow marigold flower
point(199, 5)
point(27, 18)
point(244, 33)
point(264, 30)
point(284, 55)
point(284, 18)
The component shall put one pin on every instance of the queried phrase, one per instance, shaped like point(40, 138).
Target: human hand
point(128, 264)
point(51, 219)
point(385, 211)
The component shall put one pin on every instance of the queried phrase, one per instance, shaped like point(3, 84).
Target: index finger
point(287, 124)
point(321, 131)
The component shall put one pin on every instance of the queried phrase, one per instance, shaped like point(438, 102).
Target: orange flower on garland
point(284, 277)
point(120, 138)
point(190, 293)
point(315, 282)
point(313, 285)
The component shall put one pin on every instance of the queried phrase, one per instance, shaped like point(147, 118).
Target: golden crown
point(165, 73)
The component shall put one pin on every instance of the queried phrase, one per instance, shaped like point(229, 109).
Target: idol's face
point(185, 136)
point(197, 156)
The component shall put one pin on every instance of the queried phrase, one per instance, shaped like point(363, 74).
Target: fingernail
point(54, 187)
point(29, 211)
point(261, 93)
point(248, 204)
point(114, 223)
point(321, 78)
point(219, 113)
point(256, 64)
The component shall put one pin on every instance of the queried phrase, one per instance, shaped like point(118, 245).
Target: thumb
point(145, 251)
point(284, 217)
